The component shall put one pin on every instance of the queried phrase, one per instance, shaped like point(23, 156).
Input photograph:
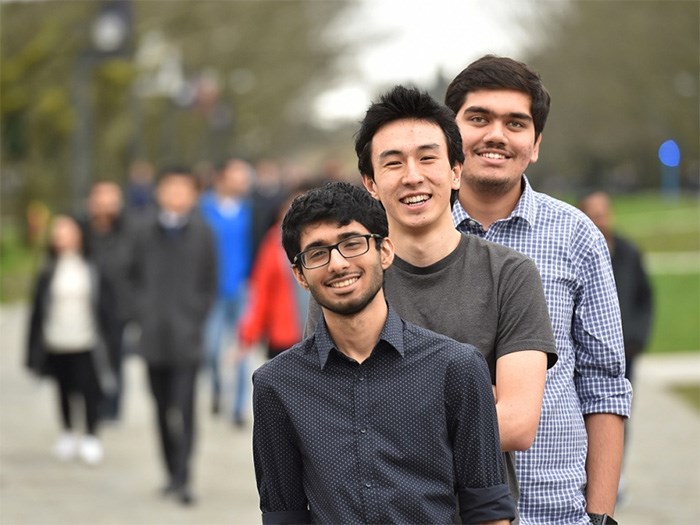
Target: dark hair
point(494, 72)
point(338, 202)
point(176, 171)
point(406, 103)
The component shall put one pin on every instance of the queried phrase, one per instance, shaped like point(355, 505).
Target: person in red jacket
point(276, 311)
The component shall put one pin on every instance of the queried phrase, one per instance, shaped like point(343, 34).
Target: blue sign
point(670, 154)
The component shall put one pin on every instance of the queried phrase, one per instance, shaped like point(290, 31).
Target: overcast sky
point(410, 40)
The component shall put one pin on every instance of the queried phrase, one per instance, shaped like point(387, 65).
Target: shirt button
point(368, 485)
point(363, 431)
point(361, 378)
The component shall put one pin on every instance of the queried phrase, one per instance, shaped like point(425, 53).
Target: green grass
point(677, 313)
point(690, 394)
point(659, 225)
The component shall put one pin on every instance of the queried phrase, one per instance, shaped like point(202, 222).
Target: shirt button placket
point(363, 441)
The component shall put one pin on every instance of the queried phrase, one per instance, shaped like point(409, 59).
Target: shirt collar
point(392, 334)
point(526, 208)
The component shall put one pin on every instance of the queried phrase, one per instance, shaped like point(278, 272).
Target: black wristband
point(601, 519)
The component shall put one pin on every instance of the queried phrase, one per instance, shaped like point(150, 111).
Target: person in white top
point(67, 333)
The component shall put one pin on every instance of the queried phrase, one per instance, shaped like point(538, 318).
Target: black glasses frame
point(300, 258)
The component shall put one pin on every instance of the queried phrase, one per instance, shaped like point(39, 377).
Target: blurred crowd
point(182, 267)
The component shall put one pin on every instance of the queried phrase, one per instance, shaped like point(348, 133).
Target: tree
point(248, 71)
point(623, 78)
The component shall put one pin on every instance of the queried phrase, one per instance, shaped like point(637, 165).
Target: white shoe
point(66, 447)
point(91, 451)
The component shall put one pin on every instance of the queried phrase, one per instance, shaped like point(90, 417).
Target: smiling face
point(344, 286)
point(413, 178)
point(498, 138)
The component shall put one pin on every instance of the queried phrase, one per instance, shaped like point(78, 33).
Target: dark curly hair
point(336, 202)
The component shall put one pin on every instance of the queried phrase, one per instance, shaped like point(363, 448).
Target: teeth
point(346, 282)
point(415, 199)
point(493, 155)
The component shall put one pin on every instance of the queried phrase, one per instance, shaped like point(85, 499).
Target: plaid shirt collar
point(526, 209)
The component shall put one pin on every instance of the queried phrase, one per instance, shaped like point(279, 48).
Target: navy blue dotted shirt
point(399, 438)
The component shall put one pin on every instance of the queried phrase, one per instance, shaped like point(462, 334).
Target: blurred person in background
point(277, 304)
point(139, 187)
point(110, 237)
point(174, 277)
point(632, 282)
point(69, 330)
point(267, 195)
point(571, 472)
point(227, 210)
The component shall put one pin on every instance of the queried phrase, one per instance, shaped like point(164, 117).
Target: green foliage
point(18, 263)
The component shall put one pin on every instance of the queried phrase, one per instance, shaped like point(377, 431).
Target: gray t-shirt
point(483, 293)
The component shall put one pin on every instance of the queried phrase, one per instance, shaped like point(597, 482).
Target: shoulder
point(287, 364)
point(439, 346)
point(559, 213)
point(483, 253)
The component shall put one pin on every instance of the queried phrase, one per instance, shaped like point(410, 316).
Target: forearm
point(604, 461)
point(517, 430)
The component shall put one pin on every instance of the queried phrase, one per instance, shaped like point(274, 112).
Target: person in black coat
point(174, 275)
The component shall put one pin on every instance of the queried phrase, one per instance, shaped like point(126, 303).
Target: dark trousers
point(111, 403)
point(173, 389)
point(75, 374)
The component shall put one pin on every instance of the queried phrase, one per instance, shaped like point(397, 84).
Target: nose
point(337, 261)
point(496, 132)
point(412, 174)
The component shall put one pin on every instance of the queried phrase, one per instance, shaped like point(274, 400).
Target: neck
point(487, 208)
point(424, 247)
point(356, 335)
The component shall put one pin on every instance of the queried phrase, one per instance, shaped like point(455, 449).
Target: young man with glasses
point(372, 419)
point(410, 156)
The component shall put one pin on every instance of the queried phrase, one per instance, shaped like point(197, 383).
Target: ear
point(456, 176)
point(386, 253)
point(536, 149)
point(370, 186)
point(299, 276)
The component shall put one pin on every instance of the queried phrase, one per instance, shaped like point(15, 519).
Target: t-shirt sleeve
point(524, 322)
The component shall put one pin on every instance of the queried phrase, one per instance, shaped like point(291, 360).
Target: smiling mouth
point(344, 282)
point(415, 199)
point(494, 156)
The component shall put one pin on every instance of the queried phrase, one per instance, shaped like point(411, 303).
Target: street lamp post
point(110, 35)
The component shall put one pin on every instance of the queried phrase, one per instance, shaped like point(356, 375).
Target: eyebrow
point(342, 237)
point(388, 153)
point(514, 114)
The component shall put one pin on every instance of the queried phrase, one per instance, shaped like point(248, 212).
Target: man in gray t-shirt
point(410, 157)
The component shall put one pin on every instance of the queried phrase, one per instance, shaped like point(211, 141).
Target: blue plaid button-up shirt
point(574, 262)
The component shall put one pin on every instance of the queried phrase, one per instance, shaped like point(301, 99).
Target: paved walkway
point(662, 476)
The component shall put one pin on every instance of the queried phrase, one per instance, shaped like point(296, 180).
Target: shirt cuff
point(286, 517)
point(486, 504)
